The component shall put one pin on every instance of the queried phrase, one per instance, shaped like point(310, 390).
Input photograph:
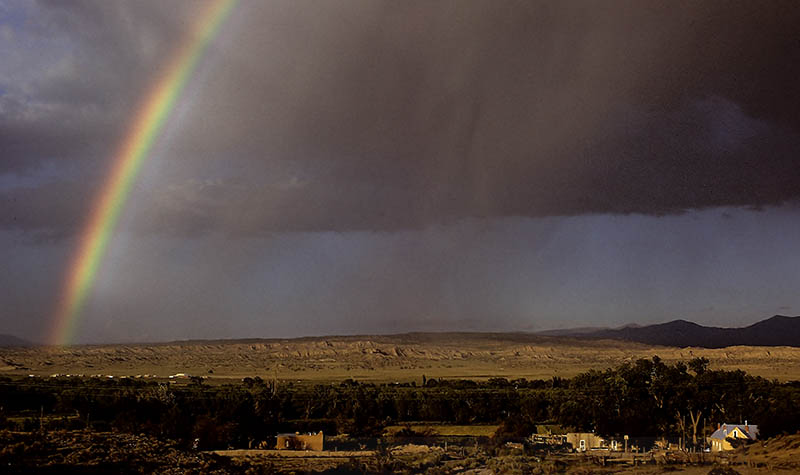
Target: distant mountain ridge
point(575, 332)
point(779, 330)
point(11, 340)
point(579, 332)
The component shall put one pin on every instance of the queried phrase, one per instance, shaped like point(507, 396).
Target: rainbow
point(150, 118)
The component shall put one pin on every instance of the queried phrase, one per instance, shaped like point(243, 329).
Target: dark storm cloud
point(381, 115)
point(72, 73)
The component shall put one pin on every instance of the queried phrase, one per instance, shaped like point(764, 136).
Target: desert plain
point(381, 358)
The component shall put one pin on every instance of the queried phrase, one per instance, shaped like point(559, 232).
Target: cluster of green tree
point(647, 397)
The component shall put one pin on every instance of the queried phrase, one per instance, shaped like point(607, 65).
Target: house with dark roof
point(720, 440)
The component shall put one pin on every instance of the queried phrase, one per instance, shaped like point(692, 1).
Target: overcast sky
point(380, 167)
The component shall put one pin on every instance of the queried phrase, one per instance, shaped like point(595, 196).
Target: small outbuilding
point(720, 439)
point(298, 441)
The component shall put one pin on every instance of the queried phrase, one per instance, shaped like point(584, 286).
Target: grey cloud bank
point(514, 274)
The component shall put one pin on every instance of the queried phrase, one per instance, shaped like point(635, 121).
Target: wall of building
point(591, 440)
point(300, 442)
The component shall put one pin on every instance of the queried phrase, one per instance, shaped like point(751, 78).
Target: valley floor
point(401, 358)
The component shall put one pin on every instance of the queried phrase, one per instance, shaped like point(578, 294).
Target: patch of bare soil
point(410, 449)
point(381, 358)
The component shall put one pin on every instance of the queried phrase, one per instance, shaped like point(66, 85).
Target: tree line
point(643, 398)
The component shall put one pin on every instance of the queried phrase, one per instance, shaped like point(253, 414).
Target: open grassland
point(401, 358)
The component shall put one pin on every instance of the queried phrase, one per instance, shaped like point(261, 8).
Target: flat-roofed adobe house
point(719, 439)
point(299, 441)
point(583, 441)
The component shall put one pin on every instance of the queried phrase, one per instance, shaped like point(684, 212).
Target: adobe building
point(299, 441)
point(583, 441)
